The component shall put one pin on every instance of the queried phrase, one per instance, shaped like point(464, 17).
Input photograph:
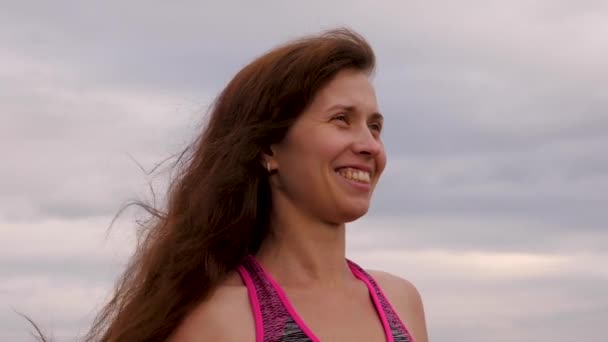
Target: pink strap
point(372, 292)
point(255, 303)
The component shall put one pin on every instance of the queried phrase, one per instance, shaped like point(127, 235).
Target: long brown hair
point(218, 204)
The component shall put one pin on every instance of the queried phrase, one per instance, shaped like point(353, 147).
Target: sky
point(493, 202)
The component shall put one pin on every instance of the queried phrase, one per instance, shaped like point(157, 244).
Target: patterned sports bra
point(277, 321)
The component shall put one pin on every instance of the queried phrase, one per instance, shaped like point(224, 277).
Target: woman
point(252, 244)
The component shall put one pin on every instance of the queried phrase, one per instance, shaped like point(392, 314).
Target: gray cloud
point(564, 185)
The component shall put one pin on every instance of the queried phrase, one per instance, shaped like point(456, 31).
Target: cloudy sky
point(493, 203)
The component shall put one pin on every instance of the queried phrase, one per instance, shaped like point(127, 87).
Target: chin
point(352, 213)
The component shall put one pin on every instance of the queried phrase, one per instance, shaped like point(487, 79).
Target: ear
point(268, 160)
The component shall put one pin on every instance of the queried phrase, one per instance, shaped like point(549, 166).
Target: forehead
point(348, 88)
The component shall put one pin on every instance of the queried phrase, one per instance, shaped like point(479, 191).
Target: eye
point(340, 117)
point(375, 126)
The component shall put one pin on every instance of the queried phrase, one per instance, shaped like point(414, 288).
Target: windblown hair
point(218, 204)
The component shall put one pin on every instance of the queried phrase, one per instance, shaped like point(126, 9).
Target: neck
point(304, 251)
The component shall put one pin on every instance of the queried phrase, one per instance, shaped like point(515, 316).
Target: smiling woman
point(251, 245)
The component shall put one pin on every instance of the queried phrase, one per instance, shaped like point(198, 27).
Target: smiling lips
point(355, 175)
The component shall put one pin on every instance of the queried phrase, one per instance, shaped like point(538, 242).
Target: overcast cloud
point(493, 203)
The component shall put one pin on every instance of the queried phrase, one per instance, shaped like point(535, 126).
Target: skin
point(311, 204)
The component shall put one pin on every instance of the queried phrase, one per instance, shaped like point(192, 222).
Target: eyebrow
point(351, 109)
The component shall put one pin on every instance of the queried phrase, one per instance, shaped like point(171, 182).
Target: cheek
point(382, 160)
point(300, 159)
point(322, 148)
point(334, 141)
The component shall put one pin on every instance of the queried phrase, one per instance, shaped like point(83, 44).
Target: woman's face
point(332, 157)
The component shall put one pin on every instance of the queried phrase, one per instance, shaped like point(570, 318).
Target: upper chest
point(338, 316)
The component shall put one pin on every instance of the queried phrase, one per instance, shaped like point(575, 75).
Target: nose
point(367, 144)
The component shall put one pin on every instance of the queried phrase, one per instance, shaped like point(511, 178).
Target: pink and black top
point(277, 321)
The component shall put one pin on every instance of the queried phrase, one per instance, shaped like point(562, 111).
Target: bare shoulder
point(406, 300)
point(398, 289)
point(225, 316)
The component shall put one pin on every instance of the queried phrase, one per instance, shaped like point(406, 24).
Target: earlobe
point(268, 161)
point(265, 163)
point(268, 166)
point(271, 167)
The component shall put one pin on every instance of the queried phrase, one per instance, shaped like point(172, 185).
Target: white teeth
point(354, 174)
